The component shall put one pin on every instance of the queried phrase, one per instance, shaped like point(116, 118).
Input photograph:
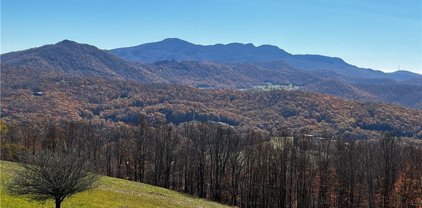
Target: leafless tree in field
point(52, 175)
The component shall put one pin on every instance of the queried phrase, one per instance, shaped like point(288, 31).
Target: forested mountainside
point(279, 67)
point(94, 98)
point(187, 126)
point(181, 50)
point(71, 58)
point(71, 80)
point(320, 74)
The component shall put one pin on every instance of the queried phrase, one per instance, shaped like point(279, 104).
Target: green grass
point(111, 192)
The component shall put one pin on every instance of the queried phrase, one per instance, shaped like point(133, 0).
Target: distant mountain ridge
point(405, 75)
point(181, 50)
point(326, 75)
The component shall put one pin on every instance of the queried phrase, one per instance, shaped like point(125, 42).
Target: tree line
point(241, 167)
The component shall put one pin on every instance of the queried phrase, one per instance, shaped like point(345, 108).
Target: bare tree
point(52, 175)
point(390, 160)
point(237, 166)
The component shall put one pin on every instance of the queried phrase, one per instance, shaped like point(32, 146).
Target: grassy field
point(112, 192)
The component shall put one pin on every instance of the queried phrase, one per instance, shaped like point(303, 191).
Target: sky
point(383, 35)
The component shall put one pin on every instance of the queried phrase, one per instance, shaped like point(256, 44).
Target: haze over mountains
point(181, 50)
point(253, 65)
point(175, 61)
point(273, 65)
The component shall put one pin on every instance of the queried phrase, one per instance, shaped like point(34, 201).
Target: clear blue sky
point(367, 33)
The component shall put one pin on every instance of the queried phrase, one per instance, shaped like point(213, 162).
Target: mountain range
point(69, 80)
point(235, 65)
point(180, 50)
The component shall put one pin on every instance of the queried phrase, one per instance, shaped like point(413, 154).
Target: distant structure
point(37, 93)
point(270, 86)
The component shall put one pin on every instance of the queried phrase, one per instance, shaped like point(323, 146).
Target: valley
point(223, 130)
point(242, 104)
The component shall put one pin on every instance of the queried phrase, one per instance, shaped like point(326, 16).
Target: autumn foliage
point(237, 166)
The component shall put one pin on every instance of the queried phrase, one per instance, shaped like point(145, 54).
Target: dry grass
point(112, 192)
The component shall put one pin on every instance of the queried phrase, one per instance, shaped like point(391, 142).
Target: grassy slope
point(112, 192)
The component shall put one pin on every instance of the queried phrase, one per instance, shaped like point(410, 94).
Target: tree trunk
point(58, 202)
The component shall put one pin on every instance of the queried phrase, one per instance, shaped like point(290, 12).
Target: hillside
point(71, 58)
point(217, 75)
point(326, 75)
point(209, 104)
point(181, 50)
point(103, 100)
point(72, 87)
point(245, 65)
point(112, 192)
point(405, 75)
